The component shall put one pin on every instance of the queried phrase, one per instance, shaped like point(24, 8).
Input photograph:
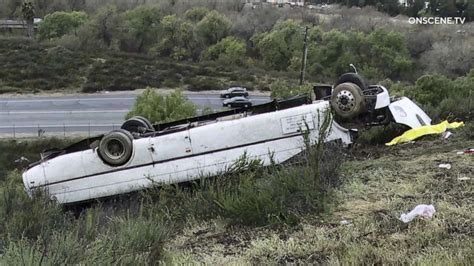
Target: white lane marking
point(62, 125)
point(260, 98)
point(64, 100)
point(63, 112)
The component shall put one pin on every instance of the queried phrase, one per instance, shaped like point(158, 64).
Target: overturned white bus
point(141, 154)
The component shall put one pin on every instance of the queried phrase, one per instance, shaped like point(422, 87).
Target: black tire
point(347, 100)
point(352, 78)
point(146, 121)
point(137, 124)
point(116, 147)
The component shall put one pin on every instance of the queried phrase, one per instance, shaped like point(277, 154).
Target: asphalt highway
point(79, 113)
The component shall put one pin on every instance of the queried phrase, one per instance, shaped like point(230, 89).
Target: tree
point(177, 38)
point(105, 25)
point(448, 8)
point(142, 24)
point(196, 14)
point(28, 14)
point(414, 7)
point(160, 108)
point(388, 53)
point(213, 27)
point(60, 23)
point(392, 7)
point(280, 45)
point(229, 50)
point(379, 54)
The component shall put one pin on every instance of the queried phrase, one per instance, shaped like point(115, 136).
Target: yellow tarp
point(424, 130)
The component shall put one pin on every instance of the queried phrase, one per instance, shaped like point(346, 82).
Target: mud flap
point(405, 111)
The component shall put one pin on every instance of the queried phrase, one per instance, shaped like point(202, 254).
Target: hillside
point(263, 216)
point(379, 184)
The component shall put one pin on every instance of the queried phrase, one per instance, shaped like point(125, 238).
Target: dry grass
point(378, 188)
point(183, 226)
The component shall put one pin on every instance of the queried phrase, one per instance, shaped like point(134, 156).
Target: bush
point(200, 83)
point(443, 97)
point(60, 23)
point(229, 50)
point(21, 216)
point(196, 14)
point(37, 230)
point(102, 31)
point(281, 90)
point(18, 154)
point(177, 39)
point(30, 66)
point(250, 195)
point(278, 46)
point(141, 28)
point(162, 108)
point(213, 27)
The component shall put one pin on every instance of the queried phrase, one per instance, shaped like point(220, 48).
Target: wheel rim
point(114, 149)
point(345, 101)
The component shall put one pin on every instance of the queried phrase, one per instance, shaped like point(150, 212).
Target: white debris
point(345, 222)
point(446, 134)
point(422, 210)
point(462, 178)
point(460, 153)
point(445, 165)
point(21, 159)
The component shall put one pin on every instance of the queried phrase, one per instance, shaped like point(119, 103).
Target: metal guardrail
point(15, 24)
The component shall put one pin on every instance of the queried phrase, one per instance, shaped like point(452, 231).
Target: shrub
point(248, 194)
point(196, 14)
point(142, 27)
point(278, 46)
point(102, 30)
point(60, 23)
point(200, 83)
point(177, 39)
point(162, 108)
point(37, 230)
point(24, 217)
point(213, 27)
point(282, 90)
point(445, 98)
point(18, 154)
point(452, 57)
point(229, 50)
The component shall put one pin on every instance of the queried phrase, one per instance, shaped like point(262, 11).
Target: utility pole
point(305, 53)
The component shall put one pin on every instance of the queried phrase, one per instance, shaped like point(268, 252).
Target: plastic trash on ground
point(423, 211)
point(446, 134)
point(424, 130)
point(445, 165)
point(345, 222)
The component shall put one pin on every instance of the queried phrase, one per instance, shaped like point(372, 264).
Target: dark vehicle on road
point(236, 102)
point(234, 92)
